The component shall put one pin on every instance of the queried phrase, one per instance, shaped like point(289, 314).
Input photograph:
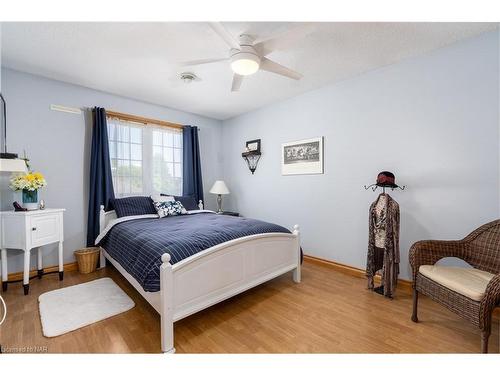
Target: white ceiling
point(138, 60)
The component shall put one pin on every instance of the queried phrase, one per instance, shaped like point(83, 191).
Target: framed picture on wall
point(254, 145)
point(302, 157)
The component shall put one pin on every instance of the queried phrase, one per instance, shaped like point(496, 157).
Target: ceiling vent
point(187, 77)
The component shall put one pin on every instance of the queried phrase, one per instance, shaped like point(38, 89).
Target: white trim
point(215, 274)
point(61, 108)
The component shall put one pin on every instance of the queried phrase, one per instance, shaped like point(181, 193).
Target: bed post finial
point(102, 219)
point(165, 258)
point(167, 305)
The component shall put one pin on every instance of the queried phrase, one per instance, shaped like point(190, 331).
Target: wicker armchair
point(481, 249)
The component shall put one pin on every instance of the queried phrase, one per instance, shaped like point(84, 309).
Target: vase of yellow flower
point(30, 199)
point(28, 183)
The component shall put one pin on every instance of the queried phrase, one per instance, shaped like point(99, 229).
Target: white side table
point(27, 230)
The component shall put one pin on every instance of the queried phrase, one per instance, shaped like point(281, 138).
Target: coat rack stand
point(383, 186)
point(373, 187)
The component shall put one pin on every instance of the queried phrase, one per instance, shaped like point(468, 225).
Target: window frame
point(147, 176)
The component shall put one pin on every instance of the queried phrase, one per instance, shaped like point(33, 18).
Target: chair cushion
point(469, 282)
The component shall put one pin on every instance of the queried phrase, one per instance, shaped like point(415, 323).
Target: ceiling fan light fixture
point(245, 63)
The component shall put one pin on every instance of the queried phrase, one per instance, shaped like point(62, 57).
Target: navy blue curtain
point(101, 182)
point(192, 181)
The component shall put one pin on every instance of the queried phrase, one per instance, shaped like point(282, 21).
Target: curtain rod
point(120, 115)
point(142, 120)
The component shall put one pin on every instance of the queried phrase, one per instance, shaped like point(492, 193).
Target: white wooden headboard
point(106, 217)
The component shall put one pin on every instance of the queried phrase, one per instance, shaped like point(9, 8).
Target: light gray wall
point(58, 145)
point(433, 120)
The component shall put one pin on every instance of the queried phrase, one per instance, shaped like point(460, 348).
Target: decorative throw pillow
point(132, 206)
point(169, 208)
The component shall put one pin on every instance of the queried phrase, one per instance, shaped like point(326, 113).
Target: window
point(167, 161)
point(125, 152)
point(144, 159)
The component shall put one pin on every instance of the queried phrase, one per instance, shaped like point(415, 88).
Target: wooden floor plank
point(329, 312)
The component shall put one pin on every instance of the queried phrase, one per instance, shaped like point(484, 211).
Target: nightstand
point(229, 213)
point(26, 230)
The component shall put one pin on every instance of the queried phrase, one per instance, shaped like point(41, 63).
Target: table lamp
point(220, 189)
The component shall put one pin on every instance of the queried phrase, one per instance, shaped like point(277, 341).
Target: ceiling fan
point(247, 58)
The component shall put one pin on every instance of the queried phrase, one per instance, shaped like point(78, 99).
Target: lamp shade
point(12, 165)
point(219, 187)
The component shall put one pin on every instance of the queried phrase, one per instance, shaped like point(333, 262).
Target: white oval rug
point(64, 310)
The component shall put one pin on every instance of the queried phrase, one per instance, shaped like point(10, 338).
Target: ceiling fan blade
point(202, 61)
point(284, 40)
point(273, 67)
point(237, 80)
point(224, 34)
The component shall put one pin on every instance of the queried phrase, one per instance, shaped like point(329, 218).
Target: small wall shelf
point(252, 159)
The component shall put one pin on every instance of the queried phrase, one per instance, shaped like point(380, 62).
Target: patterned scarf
point(389, 263)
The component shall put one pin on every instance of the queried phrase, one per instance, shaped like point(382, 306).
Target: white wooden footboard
point(216, 274)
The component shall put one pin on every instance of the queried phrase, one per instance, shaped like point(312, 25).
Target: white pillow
point(162, 198)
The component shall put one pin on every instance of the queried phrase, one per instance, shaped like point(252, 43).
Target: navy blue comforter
point(139, 244)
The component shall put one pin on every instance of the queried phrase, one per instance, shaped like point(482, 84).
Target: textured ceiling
point(139, 60)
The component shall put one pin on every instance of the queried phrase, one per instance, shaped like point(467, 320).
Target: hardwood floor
point(329, 312)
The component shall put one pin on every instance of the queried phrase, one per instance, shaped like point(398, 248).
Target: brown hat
point(386, 179)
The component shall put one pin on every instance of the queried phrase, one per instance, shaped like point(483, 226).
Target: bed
point(237, 254)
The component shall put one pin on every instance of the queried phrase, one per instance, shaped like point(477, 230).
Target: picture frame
point(302, 157)
point(253, 146)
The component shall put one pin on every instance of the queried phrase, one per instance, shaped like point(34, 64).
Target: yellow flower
point(29, 181)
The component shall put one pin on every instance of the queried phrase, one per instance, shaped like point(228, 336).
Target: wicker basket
point(87, 259)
